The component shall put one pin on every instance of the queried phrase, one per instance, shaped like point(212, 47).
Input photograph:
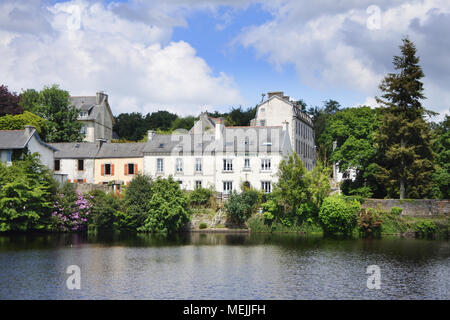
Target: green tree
point(54, 106)
point(29, 99)
point(183, 123)
point(168, 208)
point(338, 215)
point(240, 206)
point(136, 199)
point(19, 121)
point(161, 120)
point(404, 138)
point(131, 126)
point(441, 176)
point(27, 192)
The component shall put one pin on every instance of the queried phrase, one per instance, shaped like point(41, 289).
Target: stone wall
point(411, 207)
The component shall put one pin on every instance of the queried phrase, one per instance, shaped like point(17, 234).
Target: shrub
point(202, 225)
point(425, 228)
point(200, 196)
point(71, 210)
point(18, 122)
point(168, 208)
point(136, 199)
point(240, 206)
point(396, 211)
point(27, 192)
point(369, 222)
point(338, 215)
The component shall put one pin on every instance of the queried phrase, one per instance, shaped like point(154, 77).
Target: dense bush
point(396, 211)
point(18, 122)
point(425, 228)
point(202, 225)
point(168, 208)
point(27, 193)
point(201, 197)
point(240, 206)
point(338, 215)
point(71, 210)
point(370, 222)
point(136, 199)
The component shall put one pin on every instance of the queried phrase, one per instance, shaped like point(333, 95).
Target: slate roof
point(90, 150)
point(86, 103)
point(18, 139)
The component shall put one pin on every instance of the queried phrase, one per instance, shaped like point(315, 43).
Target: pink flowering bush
point(70, 211)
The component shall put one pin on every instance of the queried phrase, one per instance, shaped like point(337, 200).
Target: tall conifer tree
point(404, 137)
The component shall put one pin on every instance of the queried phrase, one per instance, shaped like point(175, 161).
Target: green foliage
point(370, 222)
point(298, 194)
point(136, 199)
point(131, 126)
point(338, 215)
point(441, 176)
point(404, 139)
point(425, 228)
point(240, 206)
point(18, 122)
point(168, 208)
point(29, 99)
point(183, 123)
point(107, 213)
point(202, 225)
point(201, 197)
point(396, 211)
point(26, 195)
point(53, 105)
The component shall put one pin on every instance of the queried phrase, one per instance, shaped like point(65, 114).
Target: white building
point(222, 157)
point(278, 109)
point(15, 142)
point(96, 116)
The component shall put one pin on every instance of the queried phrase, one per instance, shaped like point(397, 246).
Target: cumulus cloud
point(91, 46)
point(330, 45)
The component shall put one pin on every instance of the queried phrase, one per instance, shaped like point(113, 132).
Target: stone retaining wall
point(411, 207)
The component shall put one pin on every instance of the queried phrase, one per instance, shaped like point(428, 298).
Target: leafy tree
point(441, 176)
point(29, 99)
point(136, 199)
point(168, 208)
point(239, 117)
point(162, 120)
point(19, 121)
point(183, 123)
point(54, 106)
point(240, 206)
point(404, 138)
point(131, 126)
point(9, 102)
point(200, 196)
point(27, 192)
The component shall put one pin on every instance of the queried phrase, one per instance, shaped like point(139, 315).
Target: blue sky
point(186, 56)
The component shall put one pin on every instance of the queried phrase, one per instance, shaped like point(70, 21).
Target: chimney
point(100, 97)
point(29, 130)
point(219, 129)
point(275, 93)
point(285, 126)
point(150, 134)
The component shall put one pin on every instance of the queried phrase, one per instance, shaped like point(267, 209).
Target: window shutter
point(135, 168)
point(112, 169)
point(84, 180)
point(68, 180)
point(103, 170)
point(125, 167)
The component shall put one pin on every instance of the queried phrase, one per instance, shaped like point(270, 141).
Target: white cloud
point(330, 45)
point(86, 47)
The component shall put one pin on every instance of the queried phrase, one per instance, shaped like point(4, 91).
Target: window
point(9, 156)
point(198, 164)
point(227, 165)
point(227, 186)
point(266, 186)
point(265, 164)
point(159, 165)
point(198, 184)
point(246, 163)
point(262, 123)
point(130, 168)
point(179, 165)
point(57, 165)
point(80, 165)
point(107, 169)
point(83, 114)
point(262, 110)
point(83, 129)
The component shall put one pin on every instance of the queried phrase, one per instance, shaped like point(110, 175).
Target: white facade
point(278, 109)
point(70, 167)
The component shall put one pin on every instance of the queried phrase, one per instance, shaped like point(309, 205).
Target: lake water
point(222, 266)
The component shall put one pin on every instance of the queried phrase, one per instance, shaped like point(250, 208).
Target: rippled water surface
point(221, 266)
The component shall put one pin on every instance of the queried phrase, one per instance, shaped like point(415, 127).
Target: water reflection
point(221, 266)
